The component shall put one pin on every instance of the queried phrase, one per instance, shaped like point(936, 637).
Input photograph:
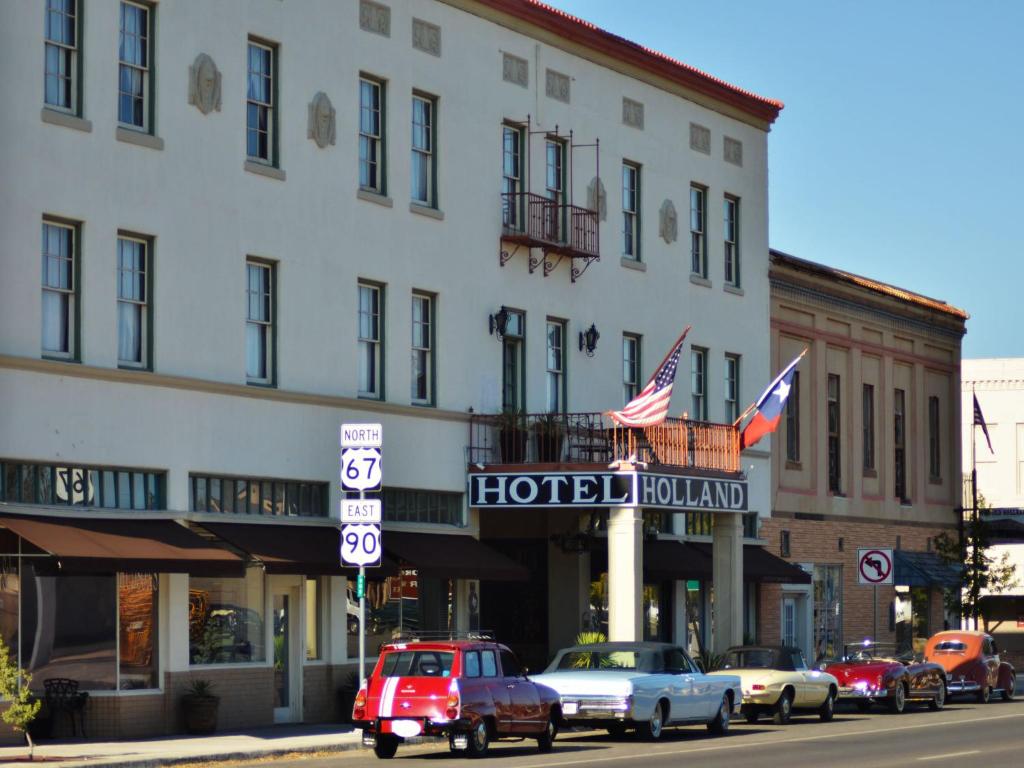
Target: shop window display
point(401, 605)
point(226, 619)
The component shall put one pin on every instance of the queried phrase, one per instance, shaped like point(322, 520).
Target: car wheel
point(864, 705)
point(983, 694)
point(547, 739)
point(939, 701)
point(720, 725)
point(751, 715)
point(828, 709)
point(1008, 691)
point(898, 701)
point(385, 746)
point(478, 741)
point(783, 708)
point(650, 730)
point(617, 730)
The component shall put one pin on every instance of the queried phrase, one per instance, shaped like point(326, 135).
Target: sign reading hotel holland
point(503, 490)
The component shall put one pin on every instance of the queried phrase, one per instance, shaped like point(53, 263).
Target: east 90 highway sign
point(360, 544)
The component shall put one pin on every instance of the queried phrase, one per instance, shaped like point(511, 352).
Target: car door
point(490, 673)
point(524, 701)
point(686, 703)
point(808, 692)
point(991, 661)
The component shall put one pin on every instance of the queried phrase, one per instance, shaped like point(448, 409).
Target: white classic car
point(645, 686)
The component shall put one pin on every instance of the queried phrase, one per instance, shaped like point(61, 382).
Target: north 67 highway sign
point(360, 469)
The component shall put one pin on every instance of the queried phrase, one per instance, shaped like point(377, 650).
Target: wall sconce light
point(588, 340)
point(499, 322)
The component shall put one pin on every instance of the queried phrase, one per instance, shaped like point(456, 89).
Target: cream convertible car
point(776, 679)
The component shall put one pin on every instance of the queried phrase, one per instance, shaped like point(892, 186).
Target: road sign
point(360, 511)
point(360, 469)
point(874, 566)
point(360, 544)
point(361, 435)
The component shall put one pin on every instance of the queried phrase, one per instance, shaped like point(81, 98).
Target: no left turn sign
point(874, 566)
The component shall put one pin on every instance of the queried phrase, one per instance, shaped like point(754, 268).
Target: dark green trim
point(150, 313)
point(381, 343)
point(383, 162)
point(76, 355)
point(275, 112)
point(151, 42)
point(79, 110)
point(271, 382)
point(431, 402)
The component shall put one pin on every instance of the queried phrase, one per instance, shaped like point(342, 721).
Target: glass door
point(285, 623)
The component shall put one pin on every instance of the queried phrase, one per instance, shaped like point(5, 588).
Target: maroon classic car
point(972, 664)
point(472, 691)
point(872, 672)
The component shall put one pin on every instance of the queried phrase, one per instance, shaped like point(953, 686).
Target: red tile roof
point(590, 35)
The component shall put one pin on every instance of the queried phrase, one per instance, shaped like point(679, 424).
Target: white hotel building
point(228, 228)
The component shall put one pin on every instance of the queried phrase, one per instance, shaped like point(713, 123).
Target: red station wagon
point(473, 691)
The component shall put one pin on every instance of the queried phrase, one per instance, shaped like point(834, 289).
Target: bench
point(61, 694)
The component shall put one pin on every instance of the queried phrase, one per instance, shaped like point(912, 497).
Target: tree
point(981, 572)
point(22, 706)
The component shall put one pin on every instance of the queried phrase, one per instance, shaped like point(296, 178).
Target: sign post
point(874, 567)
point(361, 519)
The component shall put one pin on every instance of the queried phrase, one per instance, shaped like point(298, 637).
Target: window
point(135, 97)
point(731, 234)
point(133, 311)
point(631, 211)
point(869, 427)
point(554, 189)
point(258, 496)
point(934, 455)
point(423, 173)
point(61, 74)
point(555, 366)
point(510, 664)
point(225, 619)
point(511, 176)
point(793, 420)
point(488, 664)
point(370, 341)
point(422, 349)
point(630, 366)
point(513, 373)
point(259, 323)
point(260, 109)
point(81, 486)
point(698, 383)
point(900, 442)
point(60, 290)
point(828, 616)
point(138, 625)
point(407, 505)
point(732, 388)
point(834, 472)
point(371, 135)
point(784, 550)
point(698, 227)
point(471, 664)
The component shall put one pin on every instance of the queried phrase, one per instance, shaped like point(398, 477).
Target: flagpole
point(975, 565)
point(671, 349)
point(753, 405)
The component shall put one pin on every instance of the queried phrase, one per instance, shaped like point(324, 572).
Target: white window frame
point(67, 294)
point(264, 319)
point(422, 348)
point(732, 387)
point(698, 230)
point(731, 238)
point(554, 340)
point(261, 105)
point(67, 51)
point(630, 366)
point(631, 210)
point(142, 69)
point(699, 383)
point(371, 340)
point(371, 136)
point(423, 148)
point(142, 303)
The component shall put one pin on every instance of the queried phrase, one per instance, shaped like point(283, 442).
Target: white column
point(625, 573)
point(727, 572)
point(679, 617)
point(177, 622)
point(336, 604)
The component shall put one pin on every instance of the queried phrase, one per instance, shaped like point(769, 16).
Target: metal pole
point(973, 534)
point(874, 612)
point(362, 616)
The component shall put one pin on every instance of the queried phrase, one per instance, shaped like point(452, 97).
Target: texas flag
point(769, 406)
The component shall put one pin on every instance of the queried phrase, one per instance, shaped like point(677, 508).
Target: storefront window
point(652, 611)
point(314, 601)
point(137, 625)
point(828, 620)
point(653, 618)
point(406, 604)
point(226, 619)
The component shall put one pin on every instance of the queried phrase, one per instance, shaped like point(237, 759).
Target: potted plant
point(21, 706)
point(199, 706)
point(347, 695)
point(548, 432)
point(511, 436)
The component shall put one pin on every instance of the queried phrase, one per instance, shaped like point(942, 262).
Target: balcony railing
point(593, 438)
point(538, 222)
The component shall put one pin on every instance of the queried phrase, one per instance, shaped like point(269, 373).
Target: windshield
point(760, 658)
point(580, 660)
point(417, 664)
point(950, 646)
point(867, 652)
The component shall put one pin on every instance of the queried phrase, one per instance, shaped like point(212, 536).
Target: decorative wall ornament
point(700, 138)
point(426, 37)
point(732, 151)
point(204, 84)
point(668, 222)
point(321, 125)
point(515, 70)
point(632, 113)
point(375, 17)
point(597, 200)
point(557, 86)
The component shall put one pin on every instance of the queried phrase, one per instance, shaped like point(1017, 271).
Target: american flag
point(650, 407)
point(979, 421)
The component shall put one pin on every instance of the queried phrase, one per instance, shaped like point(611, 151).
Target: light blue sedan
point(645, 686)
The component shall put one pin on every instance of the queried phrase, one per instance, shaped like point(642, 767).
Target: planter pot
point(512, 442)
point(200, 713)
point(549, 447)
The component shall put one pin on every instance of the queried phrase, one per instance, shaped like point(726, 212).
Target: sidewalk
point(240, 745)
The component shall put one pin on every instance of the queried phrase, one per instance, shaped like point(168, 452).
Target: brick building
point(868, 455)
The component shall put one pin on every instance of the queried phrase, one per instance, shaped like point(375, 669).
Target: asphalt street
point(990, 735)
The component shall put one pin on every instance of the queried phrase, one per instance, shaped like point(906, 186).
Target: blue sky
point(900, 153)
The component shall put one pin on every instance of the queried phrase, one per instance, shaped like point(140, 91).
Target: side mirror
point(525, 671)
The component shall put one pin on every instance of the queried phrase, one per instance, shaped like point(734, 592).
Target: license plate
point(406, 728)
point(570, 708)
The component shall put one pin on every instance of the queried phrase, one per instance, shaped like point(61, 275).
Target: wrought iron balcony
point(557, 229)
point(593, 438)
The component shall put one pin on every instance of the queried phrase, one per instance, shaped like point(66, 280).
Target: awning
point(452, 556)
point(664, 560)
point(924, 569)
point(300, 549)
point(762, 566)
point(108, 545)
